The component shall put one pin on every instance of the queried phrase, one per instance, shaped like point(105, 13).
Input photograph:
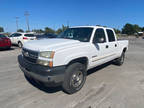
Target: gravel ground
point(107, 86)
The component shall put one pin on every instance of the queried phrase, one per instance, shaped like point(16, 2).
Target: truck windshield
point(82, 34)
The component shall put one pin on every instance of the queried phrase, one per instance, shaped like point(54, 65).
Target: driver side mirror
point(101, 40)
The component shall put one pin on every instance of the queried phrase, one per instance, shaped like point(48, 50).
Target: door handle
point(115, 45)
point(107, 46)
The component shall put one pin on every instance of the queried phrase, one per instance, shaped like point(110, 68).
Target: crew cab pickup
point(66, 59)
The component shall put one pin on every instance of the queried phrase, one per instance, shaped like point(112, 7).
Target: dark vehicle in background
point(46, 36)
point(5, 42)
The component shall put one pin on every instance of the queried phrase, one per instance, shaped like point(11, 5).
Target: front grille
point(30, 55)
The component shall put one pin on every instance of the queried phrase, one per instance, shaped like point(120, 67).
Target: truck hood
point(50, 44)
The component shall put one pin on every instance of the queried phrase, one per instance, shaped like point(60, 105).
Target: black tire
point(8, 48)
point(119, 61)
point(75, 78)
point(20, 44)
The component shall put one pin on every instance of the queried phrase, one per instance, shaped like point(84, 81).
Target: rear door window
point(111, 36)
point(29, 35)
point(17, 34)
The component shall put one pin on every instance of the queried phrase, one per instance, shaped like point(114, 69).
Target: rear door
point(100, 47)
point(12, 38)
point(112, 42)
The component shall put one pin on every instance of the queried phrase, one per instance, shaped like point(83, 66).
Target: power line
point(27, 20)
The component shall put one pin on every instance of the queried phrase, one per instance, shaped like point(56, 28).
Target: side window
point(17, 35)
point(12, 35)
point(111, 36)
point(99, 36)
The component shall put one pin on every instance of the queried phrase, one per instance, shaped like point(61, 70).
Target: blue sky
point(54, 13)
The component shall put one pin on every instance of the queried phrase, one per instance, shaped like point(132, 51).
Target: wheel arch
point(83, 60)
point(19, 41)
point(125, 49)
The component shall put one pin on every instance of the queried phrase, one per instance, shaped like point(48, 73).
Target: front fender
point(68, 59)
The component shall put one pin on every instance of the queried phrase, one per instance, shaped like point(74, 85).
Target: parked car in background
point(20, 38)
point(5, 42)
point(140, 33)
point(45, 36)
point(66, 59)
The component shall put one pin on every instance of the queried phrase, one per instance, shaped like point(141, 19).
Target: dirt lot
point(107, 86)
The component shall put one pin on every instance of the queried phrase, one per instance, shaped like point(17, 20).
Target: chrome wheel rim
point(20, 45)
point(76, 79)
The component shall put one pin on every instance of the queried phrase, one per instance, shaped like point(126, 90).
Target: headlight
point(47, 54)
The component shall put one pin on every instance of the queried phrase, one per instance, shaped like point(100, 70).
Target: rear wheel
point(75, 78)
point(119, 61)
point(20, 44)
point(8, 48)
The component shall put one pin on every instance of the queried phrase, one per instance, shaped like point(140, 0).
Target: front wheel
point(75, 78)
point(20, 44)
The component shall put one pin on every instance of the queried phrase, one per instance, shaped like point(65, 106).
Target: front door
point(100, 48)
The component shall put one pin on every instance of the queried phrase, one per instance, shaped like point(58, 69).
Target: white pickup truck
point(66, 59)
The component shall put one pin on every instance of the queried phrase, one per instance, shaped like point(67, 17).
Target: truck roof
point(97, 26)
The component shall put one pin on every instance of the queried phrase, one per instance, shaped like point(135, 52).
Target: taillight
point(25, 38)
point(6, 40)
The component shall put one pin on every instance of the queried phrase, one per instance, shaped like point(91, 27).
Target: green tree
point(38, 31)
point(49, 30)
point(131, 29)
point(1, 29)
point(27, 31)
point(117, 31)
point(142, 29)
point(20, 30)
point(62, 29)
point(59, 31)
point(137, 28)
point(128, 29)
